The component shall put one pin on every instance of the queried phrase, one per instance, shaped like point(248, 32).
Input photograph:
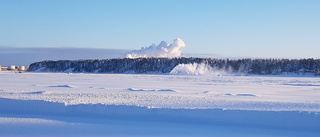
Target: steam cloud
point(161, 50)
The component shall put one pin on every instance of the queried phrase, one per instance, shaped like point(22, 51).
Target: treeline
point(165, 65)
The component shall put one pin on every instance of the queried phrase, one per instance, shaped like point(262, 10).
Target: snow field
point(167, 91)
point(98, 120)
point(44, 104)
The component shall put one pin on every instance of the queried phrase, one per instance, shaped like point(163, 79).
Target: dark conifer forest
point(165, 65)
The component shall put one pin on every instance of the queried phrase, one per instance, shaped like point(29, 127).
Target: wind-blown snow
point(198, 69)
point(161, 50)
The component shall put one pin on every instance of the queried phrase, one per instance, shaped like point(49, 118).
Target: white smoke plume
point(161, 50)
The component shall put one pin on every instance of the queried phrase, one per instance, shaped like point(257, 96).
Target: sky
point(225, 28)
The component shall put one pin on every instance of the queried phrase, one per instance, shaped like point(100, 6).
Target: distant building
point(4, 68)
point(12, 67)
point(22, 68)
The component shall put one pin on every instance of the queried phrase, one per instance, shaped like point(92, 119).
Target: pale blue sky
point(227, 28)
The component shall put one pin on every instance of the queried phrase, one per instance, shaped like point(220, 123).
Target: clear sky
point(230, 28)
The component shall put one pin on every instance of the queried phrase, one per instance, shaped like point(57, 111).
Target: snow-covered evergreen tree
point(166, 65)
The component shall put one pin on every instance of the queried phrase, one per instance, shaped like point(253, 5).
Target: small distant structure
point(3, 68)
point(22, 68)
point(14, 68)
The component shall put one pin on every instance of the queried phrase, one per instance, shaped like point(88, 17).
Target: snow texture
point(60, 104)
point(161, 50)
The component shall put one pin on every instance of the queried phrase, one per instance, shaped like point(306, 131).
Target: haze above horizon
point(246, 28)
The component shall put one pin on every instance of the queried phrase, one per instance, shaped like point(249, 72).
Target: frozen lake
point(60, 104)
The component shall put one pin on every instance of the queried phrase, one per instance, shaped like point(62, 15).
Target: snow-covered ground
point(60, 104)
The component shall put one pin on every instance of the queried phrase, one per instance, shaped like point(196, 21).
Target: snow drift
point(161, 50)
point(43, 118)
